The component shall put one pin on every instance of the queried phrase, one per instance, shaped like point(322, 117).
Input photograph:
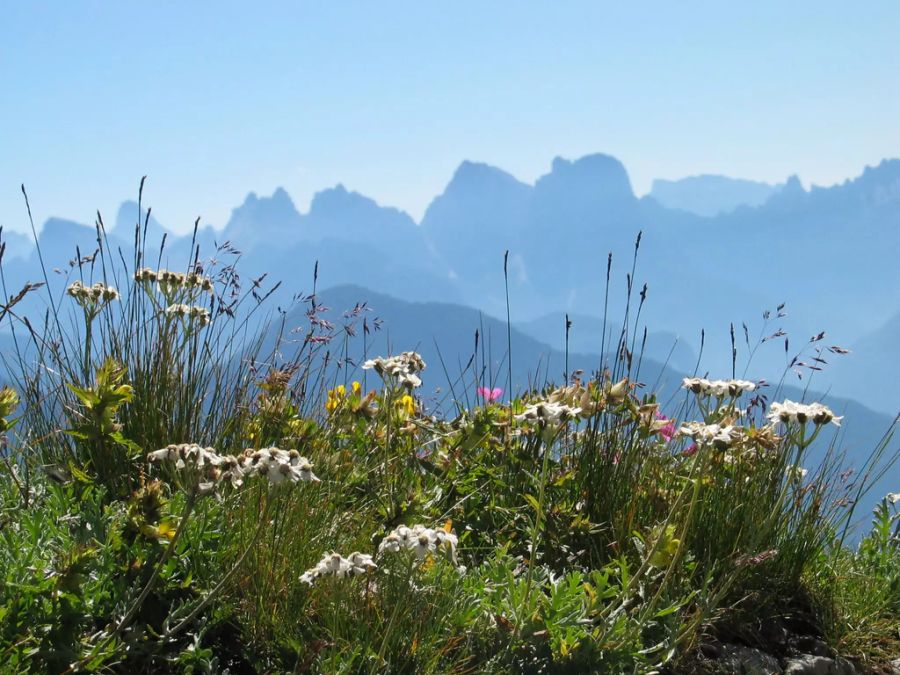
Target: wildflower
point(717, 435)
point(717, 388)
point(190, 312)
point(893, 497)
point(337, 565)
point(668, 431)
point(403, 369)
point(92, 298)
point(421, 540)
point(145, 275)
point(195, 280)
point(335, 398)
point(169, 282)
point(9, 401)
point(618, 391)
point(356, 388)
point(278, 465)
point(203, 467)
point(789, 411)
point(546, 412)
point(795, 472)
point(488, 394)
point(406, 405)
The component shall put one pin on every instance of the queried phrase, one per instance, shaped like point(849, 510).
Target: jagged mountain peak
point(596, 177)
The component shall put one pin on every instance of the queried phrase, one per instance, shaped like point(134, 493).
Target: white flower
point(337, 565)
point(391, 543)
point(718, 435)
point(548, 413)
point(421, 540)
point(717, 388)
point(789, 411)
point(361, 562)
point(203, 467)
point(145, 274)
point(278, 465)
point(424, 543)
point(893, 497)
point(192, 312)
point(794, 472)
point(92, 298)
point(402, 368)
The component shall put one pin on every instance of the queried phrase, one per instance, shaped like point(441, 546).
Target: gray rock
point(747, 661)
point(895, 666)
point(809, 664)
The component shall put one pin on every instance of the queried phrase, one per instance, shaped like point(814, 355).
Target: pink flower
point(488, 394)
point(667, 432)
point(690, 450)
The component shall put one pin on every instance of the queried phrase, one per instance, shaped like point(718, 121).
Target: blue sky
point(214, 99)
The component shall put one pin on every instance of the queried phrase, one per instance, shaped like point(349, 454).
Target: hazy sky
point(214, 99)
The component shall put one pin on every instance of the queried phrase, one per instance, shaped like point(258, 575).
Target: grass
point(566, 529)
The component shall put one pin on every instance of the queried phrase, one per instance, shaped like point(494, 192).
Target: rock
point(813, 646)
point(895, 666)
point(809, 664)
point(747, 661)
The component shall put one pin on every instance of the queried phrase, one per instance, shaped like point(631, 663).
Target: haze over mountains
point(714, 251)
point(710, 195)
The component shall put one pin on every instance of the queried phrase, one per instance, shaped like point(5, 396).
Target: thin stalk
point(224, 581)
point(132, 612)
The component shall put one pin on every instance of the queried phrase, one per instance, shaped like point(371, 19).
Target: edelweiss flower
point(719, 436)
point(548, 412)
point(278, 465)
point(169, 282)
point(203, 467)
point(403, 368)
point(717, 388)
point(421, 540)
point(339, 566)
point(190, 312)
point(93, 297)
point(794, 472)
point(789, 411)
point(145, 274)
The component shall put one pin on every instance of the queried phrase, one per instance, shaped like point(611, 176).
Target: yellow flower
point(335, 398)
point(406, 405)
point(357, 387)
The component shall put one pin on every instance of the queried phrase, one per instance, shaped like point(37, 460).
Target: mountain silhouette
point(711, 195)
point(830, 253)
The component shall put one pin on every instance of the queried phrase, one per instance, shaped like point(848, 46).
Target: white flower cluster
point(548, 413)
point(421, 540)
point(795, 472)
point(208, 469)
point(339, 566)
point(403, 368)
point(719, 436)
point(205, 466)
point(189, 312)
point(278, 465)
point(170, 282)
point(789, 411)
point(92, 295)
point(717, 388)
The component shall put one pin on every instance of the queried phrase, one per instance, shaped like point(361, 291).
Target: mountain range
point(829, 253)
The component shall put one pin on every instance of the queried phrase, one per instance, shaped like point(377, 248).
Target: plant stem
point(218, 588)
point(132, 612)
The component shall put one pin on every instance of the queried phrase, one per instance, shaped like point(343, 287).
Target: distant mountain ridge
point(711, 195)
point(829, 252)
